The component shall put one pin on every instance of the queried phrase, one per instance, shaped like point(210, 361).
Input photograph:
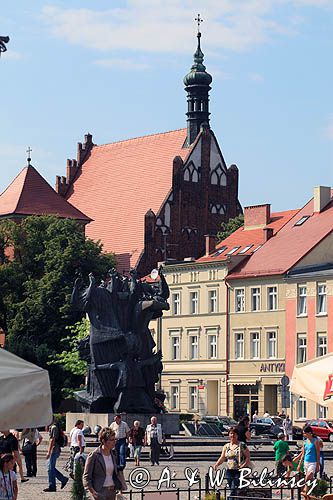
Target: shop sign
point(272, 367)
point(201, 387)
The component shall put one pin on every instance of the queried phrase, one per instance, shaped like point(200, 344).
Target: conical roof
point(30, 194)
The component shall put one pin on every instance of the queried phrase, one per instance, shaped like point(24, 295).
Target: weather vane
point(29, 150)
point(199, 20)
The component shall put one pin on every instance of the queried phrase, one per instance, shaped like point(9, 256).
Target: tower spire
point(197, 85)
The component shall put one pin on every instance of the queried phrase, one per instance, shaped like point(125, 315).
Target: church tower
point(197, 85)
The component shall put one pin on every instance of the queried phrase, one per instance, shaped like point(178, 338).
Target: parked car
point(223, 422)
point(272, 426)
point(322, 428)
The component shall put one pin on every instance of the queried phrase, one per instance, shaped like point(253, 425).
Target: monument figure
point(123, 367)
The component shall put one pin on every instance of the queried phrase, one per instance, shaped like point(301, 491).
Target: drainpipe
point(227, 338)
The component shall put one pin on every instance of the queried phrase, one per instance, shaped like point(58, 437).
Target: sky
point(115, 69)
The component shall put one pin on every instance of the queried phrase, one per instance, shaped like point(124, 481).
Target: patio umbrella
point(25, 393)
point(313, 380)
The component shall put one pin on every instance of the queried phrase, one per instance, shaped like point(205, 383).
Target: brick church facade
point(155, 197)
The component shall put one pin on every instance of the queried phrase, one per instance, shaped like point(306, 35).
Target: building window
point(212, 346)
point(240, 300)
point(321, 411)
point(271, 344)
point(301, 348)
point(174, 389)
point(321, 344)
point(191, 173)
point(212, 301)
point(193, 393)
point(255, 345)
point(301, 408)
point(255, 299)
point(194, 347)
point(239, 345)
point(194, 299)
point(321, 299)
point(175, 343)
point(233, 250)
point(272, 298)
point(302, 306)
point(218, 176)
point(175, 300)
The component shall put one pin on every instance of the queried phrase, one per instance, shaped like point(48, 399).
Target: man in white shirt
point(154, 439)
point(122, 432)
point(77, 443)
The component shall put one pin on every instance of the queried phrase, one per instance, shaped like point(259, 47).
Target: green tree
point(229, 227)
point(36, 286)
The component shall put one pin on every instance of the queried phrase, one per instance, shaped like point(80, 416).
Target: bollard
point(206, 483)
point(218, 495)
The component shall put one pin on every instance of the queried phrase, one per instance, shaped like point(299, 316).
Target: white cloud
point(165, 26)
point(125, 64)
point(256, 77)
point(329, 129)
point(11, 55)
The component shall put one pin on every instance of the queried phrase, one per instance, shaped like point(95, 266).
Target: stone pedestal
point(169, 421)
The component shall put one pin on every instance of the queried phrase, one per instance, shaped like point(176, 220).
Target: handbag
point(27, 448)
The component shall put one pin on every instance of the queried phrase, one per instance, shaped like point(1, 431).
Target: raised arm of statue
point(164, 291)
point(77, 294)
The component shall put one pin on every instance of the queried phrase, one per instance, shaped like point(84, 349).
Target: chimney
point(268, 233)
point(210, 240)
point(257, 216)
point(321, 198)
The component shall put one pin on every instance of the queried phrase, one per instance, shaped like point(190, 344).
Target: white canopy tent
point(25, 394)
point(313, 380)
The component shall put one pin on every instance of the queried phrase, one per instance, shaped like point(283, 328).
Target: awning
point(242, 382)
point(25, 393)
point(314, 380)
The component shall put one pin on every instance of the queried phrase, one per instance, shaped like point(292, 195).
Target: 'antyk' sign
point(328, 393)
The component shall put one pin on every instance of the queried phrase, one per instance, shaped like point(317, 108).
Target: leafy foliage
point(69, 359)
point(230, 226)
point(78, 492)
point(39, 257)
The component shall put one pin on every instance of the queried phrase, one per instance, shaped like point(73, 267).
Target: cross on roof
point(29, 150)
point(199, 20)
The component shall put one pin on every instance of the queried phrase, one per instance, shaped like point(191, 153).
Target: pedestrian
point(9, 444)
point(8, 482)
point(121, 430)
point(136, 438)
point(266, 414)
point(237, 456)
point(287, 426)
point(30, 439)
point(154, 439)
point(321, 457)
point(101, 477)
point(281, 448)
point(244, 433)
point(291, 464)
point(310, 455)
point(77, 443)
point(255, 416)
point(56, 441)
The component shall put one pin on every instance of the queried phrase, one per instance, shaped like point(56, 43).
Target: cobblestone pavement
point(33, 489)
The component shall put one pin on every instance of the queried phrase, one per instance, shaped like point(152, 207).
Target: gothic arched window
point(218, 176)
point(191, 173)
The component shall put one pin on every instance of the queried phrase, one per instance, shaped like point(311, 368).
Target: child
point(291, 464)
point(8, 482)
point(281, 448)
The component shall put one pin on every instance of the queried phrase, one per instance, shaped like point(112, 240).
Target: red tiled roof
point(119, 182)
point(30, 194)
point(243, 238)
point(290, 244)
